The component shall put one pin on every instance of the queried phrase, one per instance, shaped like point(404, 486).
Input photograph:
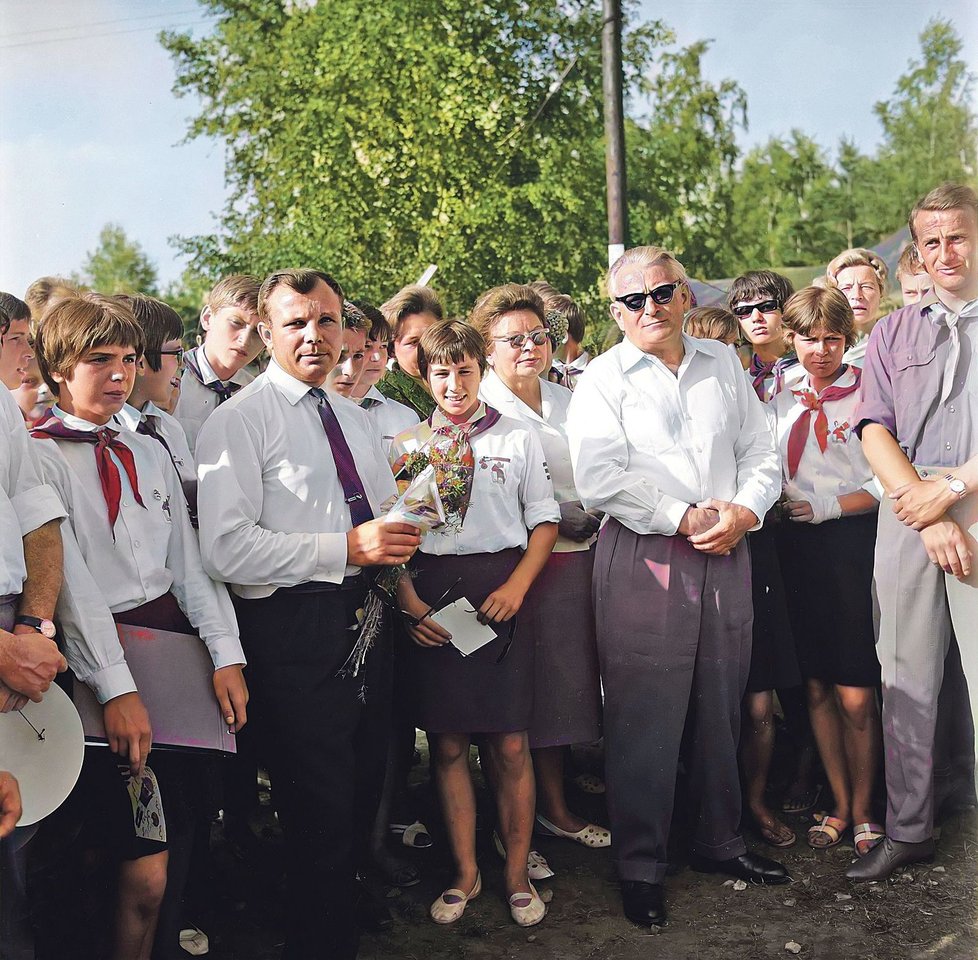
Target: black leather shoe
point(644, 903)
point(886, 856)
point(751, 867)
point(372, 912)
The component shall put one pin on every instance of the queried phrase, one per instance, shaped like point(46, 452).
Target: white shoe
point(527, 909)
point(195, 942)
point(590, 835)
point(537, 867)
point(452, 903)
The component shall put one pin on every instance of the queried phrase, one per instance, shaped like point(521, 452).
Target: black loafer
point(372, 912)
point(751, 867)
point(643, 903)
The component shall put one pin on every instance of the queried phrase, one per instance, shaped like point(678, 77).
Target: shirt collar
point(206, 370)
point(293, 390)
point(846, 380)
point(630, 355)
point(129, 417)
point(76, 423)
point(497, 394)
point(374, 394)
point(939, 311)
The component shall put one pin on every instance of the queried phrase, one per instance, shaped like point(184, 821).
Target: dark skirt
point(773, 662)
point(559, 615)
point(473, 694)
point(828, 574)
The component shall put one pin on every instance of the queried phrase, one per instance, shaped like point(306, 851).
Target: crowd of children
point(667, 544)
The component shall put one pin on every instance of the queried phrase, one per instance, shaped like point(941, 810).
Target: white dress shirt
point(170, 429)
point(196, 403)
point(154, 550)
point(843, 468)
point(26, 503)
point(389, 416)
point(856, 354)
point(551, 430)
point(271, 507)
point(647, 444)
point(572, 371)
point(511, 489)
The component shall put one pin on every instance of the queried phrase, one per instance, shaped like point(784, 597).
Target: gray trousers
point(674, 641)
point(918, 605)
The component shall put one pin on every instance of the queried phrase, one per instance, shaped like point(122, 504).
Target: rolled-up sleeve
point(876, 388)
point(536, 487)
point(599, 456)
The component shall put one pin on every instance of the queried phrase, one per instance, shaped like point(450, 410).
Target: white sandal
point(413, 835)
point(452, 903)
point(590, 835)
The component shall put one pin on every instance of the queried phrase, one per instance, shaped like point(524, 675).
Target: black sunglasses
point(746, 309)
point(661, 294)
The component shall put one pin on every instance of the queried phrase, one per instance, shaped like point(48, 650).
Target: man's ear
point(205, 318)
point(141, 367)
point(265, 332)
point(615, 312)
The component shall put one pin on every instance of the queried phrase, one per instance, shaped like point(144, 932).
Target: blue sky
point(90, 131)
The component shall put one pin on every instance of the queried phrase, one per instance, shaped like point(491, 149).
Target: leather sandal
point(831, 827)
point(868, 834)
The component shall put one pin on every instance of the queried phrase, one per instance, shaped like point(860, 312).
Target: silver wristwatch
point(958, 487)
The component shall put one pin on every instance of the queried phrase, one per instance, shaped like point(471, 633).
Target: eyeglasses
point(746, 309)
point(661, 294)
point(537, 338)
point(178, 353)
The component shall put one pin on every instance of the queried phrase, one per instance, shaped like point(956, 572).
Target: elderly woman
point(861, 275)
point(567, 696)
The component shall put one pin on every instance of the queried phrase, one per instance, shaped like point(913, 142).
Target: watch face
point(48, 629)
point(957, 486)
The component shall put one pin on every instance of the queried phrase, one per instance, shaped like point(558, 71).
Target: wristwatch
point(957, 486)
point(44, 627)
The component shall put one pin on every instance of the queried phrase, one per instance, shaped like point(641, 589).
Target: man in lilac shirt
point(918, 420)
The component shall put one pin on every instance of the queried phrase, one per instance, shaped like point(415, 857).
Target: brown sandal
point(831, 827)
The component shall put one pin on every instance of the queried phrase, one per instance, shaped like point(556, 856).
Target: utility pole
point(614, 129)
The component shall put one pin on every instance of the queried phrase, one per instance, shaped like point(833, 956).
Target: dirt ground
point(928, 911)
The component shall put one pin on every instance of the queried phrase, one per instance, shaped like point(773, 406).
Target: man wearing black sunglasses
point(670, 441)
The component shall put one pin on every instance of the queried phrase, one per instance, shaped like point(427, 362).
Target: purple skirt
point(473, 694)
point(567, 689)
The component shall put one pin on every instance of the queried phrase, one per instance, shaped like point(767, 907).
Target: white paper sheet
point(459, 619)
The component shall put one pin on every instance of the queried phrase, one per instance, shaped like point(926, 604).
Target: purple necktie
point(346, 468)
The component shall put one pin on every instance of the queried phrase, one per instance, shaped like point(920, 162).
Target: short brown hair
point(4, 321)
point(14, 307)
point(380, 329)
point(859, 257)
point(909, 264)
point(712, 323)
point(760, 283)
point(948, 196)
point(409, 301)
point(44, 290)
point(73, 326)
point(504, 299)
point(301, 281)
point(450, 341)
point(158, 321)
point(813, 309)
point(236, 290)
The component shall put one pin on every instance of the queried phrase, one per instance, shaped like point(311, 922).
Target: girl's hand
point(799, 510)
point(503, 603)
point(424, 631)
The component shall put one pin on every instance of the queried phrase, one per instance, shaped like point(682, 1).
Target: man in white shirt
point(670, 441)
point(290, 479)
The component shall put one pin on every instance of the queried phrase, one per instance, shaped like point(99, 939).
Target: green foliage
point(375, 137)
point(372, 138)
point(118, 265)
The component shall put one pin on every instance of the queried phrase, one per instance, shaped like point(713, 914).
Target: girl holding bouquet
point(501, 527)
point(826, 550)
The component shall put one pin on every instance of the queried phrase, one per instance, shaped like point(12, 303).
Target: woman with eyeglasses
point(567, 690)
point(502, 525)
point(756, 298)
point(861, 275)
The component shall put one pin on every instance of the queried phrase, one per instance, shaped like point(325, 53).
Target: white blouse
point(551, 429)
point(511, 490)
point(389, 416)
